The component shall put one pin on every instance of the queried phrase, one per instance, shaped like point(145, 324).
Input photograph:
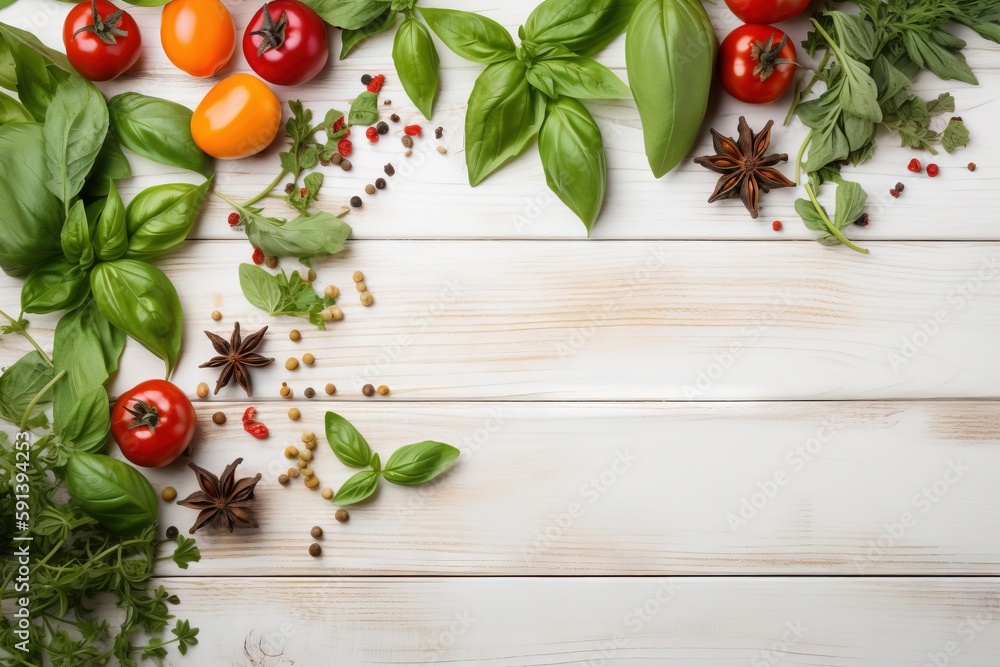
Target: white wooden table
point(688, 440)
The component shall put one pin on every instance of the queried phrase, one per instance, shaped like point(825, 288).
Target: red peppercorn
point(776, 225)
point(413, 130)
point(375, 84)
point(338, 124)
point(344, 147)
point(914, 166)
point(256, 429)
point(972, 166)
point(258, 256)
point(249, 414)
point(933, 170)
point(302, 192)
point(372, 134)
point(894, 192)
point(234, 219)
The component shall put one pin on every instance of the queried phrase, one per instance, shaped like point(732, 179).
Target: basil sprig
point(409, 465)
point(113, 493)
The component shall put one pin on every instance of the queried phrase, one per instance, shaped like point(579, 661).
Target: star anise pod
point(236, 356)
point(745, 167)
point(223, 502)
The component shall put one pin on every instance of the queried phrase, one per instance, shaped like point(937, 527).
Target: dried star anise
point(236, 356)
point(222, 501)
point(745, 167)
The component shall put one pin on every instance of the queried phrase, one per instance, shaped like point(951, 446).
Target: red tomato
point(286, 43)
point(757, 64)
point(767, 11)
point(101, 41)
point(153, 423)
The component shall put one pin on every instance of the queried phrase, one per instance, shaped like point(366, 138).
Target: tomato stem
point(145, 416)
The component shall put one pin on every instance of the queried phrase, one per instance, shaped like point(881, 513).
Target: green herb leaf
point(469, 35)
point(76, 123)
point(349, 14)
point(850, 202)
point(364, 109)
point(160, 217)
point(187, 552)
point(347, 443)
point(12, 111)
point(358, 487)
point(350, 39)
point(416, 61)
point(110, 238)
point(955, 136)
point(419, 463)
point(583, 26)
point(20, 383)
point(39, 70)
point(946, 63)
point(75, 237)
point(577, 77)
point(159, 130)
point(278, 294)
point(87, 425)
point(113, 493)
point(111, 164)
point(311, 183)
point(857, 36)
point(56, 285)
point(310, 235)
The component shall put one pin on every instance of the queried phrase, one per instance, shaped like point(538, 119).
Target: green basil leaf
point(110, 235)
point(159, 130)
point(19, 385)
point(350, 39)
point(955, 135)
point(850, 203)
point(349, 14)
point(261, 288)
point(572, 152)
point(502, 119)
point(32, 216)
point(75, 126)
point(278, 294)
point(857, 35)
point(87, 347)
point(857, 90)
point(419, 463)
point(310, 186)
point(87, 424)
point(12, 111)
point(580, 78)
point(670, 53)
point(828, 146)
point(310, 235)
point(358, 487)
point(946, 63)
point(416, 60)
point(583, 26)
point(111, 164)
point(141, 301)
point(111, 492)
point(469, 35)
point(38, 69)
point(57, 285)
point(347, 443)
point(810, 216)
point(364, 109)
point(75, 237)
point(160, 217)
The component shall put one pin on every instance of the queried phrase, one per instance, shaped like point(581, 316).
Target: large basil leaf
point(19, 385)
point(141, 301)
point(472, 36)
point(670, 53)
point(502, 119)
point(349, 14)
point(111, 492)
point(358, 487)
point(419, 463)
point(578, 77)
point(75, 237)
point(160, 217)
point(32, 216)
point(87, 347)
point(347, 443)
point(37, 69)
point(159, 130)
point(349, 39)
point(12, 111)
point(310, 235)
point(75, 126)
point(572, 153)
point(582, 26)
point(87, 424)
point(416, 61)
point(111, 164)
point(110, 235)
point(56, 285)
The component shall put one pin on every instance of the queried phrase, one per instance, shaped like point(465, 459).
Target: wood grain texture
point(593, 622)
point(847, 488)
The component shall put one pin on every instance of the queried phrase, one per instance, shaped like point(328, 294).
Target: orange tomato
point(238, 118)
point(197, 35)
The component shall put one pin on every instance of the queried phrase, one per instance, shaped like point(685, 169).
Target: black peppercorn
point(380, 183)
point(899, 187)
point(366, 79)
point(368, 390)
point(438, 132)
point(356, 201)
point(172, 533)
point(310, 392)
point(289, 187)
point(382, 127)
point(862, 221)
point(389, 170)
point(394, 118)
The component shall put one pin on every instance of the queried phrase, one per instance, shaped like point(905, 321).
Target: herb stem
point(266, 191)
point(19, 329)
point(31, 406)
point(829, 225)
point(798, 158)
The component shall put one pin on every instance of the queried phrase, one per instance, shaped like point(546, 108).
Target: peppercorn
point(219, 418)
point(168, 494)
point(294, 334)
point(900, 187)
point(216, 315)
point(413, 130)
point(368, 390)
point(389, 169)
point(375, 84)
point(361, 287)
point(326, 314)
point(291, 452)
point(331, 389)
point(344, 148)
point(327, 493)
point(316, 532)
point(336, 313)
point(310, 444)
point(776, 225)
point(310, 392)
point(372, 134)
point(285, 390)
point(366, 79)
point(312, 482)
point(346, 165)
point(306, 455)
point(438, 132)
point(294, 414)
point(933, 170)
point(172, 533)
point(408, 152)
point(382, 127)
point(233, 219)
point(292, 363)
point(367, 299)
point(358, 276)
point(356, 201)
point(289, 187)
point(862, 221)
point(308, 435)
point(293, 472)
point(331, 291)
point(380, 183)
point(972, 166)
point(394, 118)
point(383, 390)
point(341, 516)
point(407, 141)
point(271, 261)
point(324, 162)
point(369, 189)
point(308, 359)
point(201, 390)
point(894, 192)
point(336, 158)
point(282, 479)
point(442, 150)
point(314, 549)
point(914, 166)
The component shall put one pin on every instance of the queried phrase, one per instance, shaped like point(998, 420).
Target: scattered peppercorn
point(326, 314)
point(257, 256)
point(294, 414)
point(388, 103)
point(289, 187)
point(336, 313)
point(361, 287)
point(413, 130)
point(776, 225)
point(933, 170)
point(438, 132)
point(172, 533)
point(394, 118)
point(382, 127)
point(369, 189)
point(358, 276)
point(442, 150)
point(375, 84)
point(327, 493)
point(346, 165)
point(285, 391)
point(862, 221)
point(282, 479)
point(219, 418)
point(345, 148)
point(336, 158)
point(894, 192)
point(168, 494)
point(914, 166)
point(292, 363)
point(233, 219)
point(367, 299)
point(308, 359)
point(972, 166)
point(271, 262)
point(310, 392)
point(293, 472)
point(331, 389)
point(389, 170)
point(306, 470)
point(295, 334)
point(342, 516)
point(368, 390)
point(372, 134)
point(408, 152)
point(312, 482)
point(201, 390)
point(291, 452)
point(308, 436)
point(216, 315)
point(383, 390)
point(407, 141)
point(366, 79)
point(324, 162)
point(900, 186)
point(380, 183)
point(307, 455)
point(356, 201)
point(315, 550)
point(331, 291)
point(316, 532)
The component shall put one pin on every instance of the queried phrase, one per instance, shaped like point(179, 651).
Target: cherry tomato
point(239, 117)
point(286, 43)
point(756, 63)
point(153, 423)
point(101, 41)
point(197, 35)
point(767, 11)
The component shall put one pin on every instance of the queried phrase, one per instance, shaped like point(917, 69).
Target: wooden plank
point(430, 196)
point(848, 488)
point(593, 622)
point(468, 320)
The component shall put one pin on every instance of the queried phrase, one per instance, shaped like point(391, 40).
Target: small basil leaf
point(364, 109)
point(580, 78)
point(110, 235)
point(160, 217)
point(76, 123)
point(572, 152)
point(358, 487)
point(850, 203)
point(88, 423)
point(12, 111)
point(376, 462)
point(56, 285)
point(141, 301)
point(955, 135)
point(348, 445)
point(350, 39)
point(20, 383)
point(349, 14)
point(469, 35)
point(113, 493)
point(416, 61)
point(419, 463)
point(260, 288)
point(75, 237)
point(310, 235)
point(582, 26)
point(111, 164)
point(159, 130)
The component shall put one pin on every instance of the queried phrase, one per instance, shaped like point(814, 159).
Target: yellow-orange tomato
point(197, 35)
point(239, 117)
